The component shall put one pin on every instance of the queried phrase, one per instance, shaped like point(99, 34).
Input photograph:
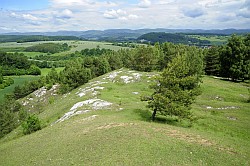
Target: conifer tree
point(175, 89)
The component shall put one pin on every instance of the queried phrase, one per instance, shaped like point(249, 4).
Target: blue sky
point(24, 4)
point(77, 15)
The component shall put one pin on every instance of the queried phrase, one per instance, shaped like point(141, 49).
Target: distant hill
point(33, 38)
point(162, 37)
point(128, 34)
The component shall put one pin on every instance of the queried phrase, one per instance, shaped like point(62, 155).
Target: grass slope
point(122, 134)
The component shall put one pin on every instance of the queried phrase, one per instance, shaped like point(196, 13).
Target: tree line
point(162, 37)
point(34, 38)
point(48, 48)
point(17, 64)
point(230, 61)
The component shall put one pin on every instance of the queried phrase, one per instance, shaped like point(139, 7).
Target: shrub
point(31, 125)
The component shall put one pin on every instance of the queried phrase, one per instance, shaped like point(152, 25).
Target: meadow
point(45, 71)
point(76, 46)
point(123, 134)
point(215, 40)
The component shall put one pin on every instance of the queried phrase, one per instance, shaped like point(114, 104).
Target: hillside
point(163, 37)
point(104, 123)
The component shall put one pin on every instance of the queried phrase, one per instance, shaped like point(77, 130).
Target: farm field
point(215, 40)
point(114, 127)
point(76, 46)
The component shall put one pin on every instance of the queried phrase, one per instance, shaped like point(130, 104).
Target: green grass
point(18, 80)
point(76, 46)
point(32, 54)
point(215, 40)
point(127, 136)
point(45, 71)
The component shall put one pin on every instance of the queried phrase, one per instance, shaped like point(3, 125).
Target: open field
point(76, 46)
point(113, 127)
point(18, 80)
point(45, 71)
point(32, 54)
point(215, 40)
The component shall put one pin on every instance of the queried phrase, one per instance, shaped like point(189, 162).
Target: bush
point(31, 125)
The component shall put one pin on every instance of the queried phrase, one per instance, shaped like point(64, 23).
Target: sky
point(81, 15)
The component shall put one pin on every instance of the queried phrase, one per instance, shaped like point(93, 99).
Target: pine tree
point(212, 61)
point(175, 89)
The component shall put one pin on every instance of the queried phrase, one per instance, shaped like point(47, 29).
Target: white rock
point(127, 79)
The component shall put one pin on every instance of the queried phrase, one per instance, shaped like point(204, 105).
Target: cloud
point(192, 12)
point(132, 16)
point(106, 14)
point(29, 17)
point(119, 14)
point(24, 16)
point(245, 10)
point(60, 3)
point(64, 14)
point(244, 13)
point(225, 18)
point(114, 14)
point(144, 3)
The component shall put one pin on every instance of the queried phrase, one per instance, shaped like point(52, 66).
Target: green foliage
point(17, 64)
point(163, 37)
point(212, 61)
point(230, 61)
point(48, 48)
point(235, 58)
point(7, 121)
point(114, 60)
point(6, 82)
point(175, 89)
point(100, 66)
point(9, 115)
point(52, 77)
point(31, 125)
point(144, 59)
point(34, 70)
point(1, 76)
point(74, 75)
point(28, 87)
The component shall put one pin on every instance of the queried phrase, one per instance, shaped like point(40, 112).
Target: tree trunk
point(153, 115)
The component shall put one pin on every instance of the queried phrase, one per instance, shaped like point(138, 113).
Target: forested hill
point(162, 37)
point(33, 38)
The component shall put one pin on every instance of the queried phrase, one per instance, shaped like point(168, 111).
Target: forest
point(162, 37)
point(48, 48)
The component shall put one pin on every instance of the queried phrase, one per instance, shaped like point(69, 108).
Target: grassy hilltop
point(104, 123)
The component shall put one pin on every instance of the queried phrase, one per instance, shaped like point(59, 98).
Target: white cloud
point(114, 14)
point(119, 14)
point(132, 16)
point(64, 14)
point(29, 17)
point(24, 16)
point(144, 3)
point(101, 14)
point(193, 11)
